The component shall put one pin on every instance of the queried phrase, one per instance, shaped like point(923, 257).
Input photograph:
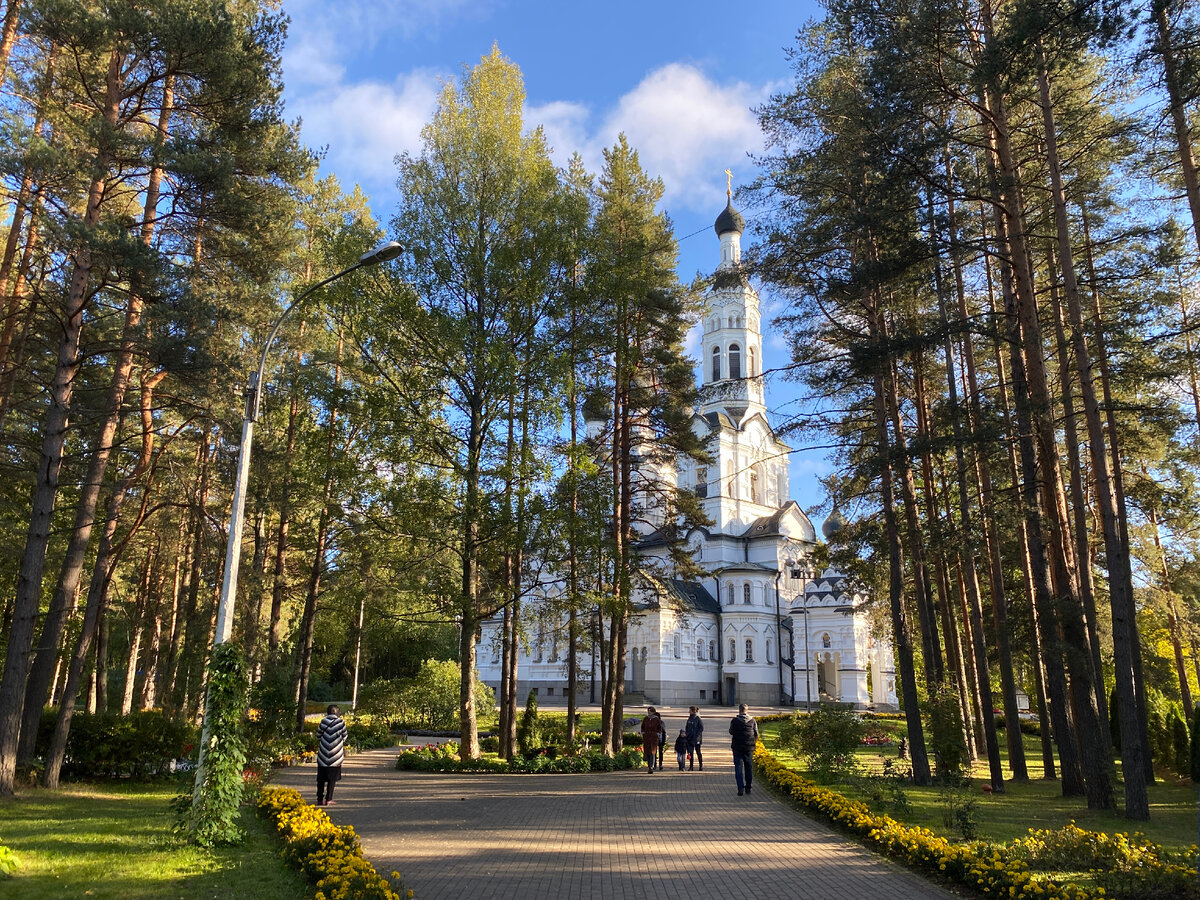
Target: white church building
point(762, 627)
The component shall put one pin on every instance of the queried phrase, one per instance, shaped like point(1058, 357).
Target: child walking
point(681, 748)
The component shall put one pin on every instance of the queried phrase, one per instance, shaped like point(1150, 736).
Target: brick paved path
point(618, 836)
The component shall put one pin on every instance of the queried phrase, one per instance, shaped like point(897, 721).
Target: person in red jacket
point(652, 724)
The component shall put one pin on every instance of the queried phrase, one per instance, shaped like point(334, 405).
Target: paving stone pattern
point(618, 836)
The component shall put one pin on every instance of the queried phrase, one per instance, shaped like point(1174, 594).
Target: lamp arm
point(254, 401)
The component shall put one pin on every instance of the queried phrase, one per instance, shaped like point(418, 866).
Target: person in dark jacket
point(681, 748)
point(744, 730)
point(650, 728)
point(331, 750)
point(694, 727)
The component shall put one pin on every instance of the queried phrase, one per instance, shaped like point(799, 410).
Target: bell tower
point(732, 336)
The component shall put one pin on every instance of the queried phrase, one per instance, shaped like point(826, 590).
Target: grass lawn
point(114, 840)
point(1037, 803)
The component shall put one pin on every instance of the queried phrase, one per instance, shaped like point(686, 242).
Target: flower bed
point(445, 758)
point(993, 869)
point(329, 855)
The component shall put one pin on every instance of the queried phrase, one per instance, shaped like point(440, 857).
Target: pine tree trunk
point(85, 511)
point(1120, 580)
point(107, 554)
point(900, 634)
point(54, 430)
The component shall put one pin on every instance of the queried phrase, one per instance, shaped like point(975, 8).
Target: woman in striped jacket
point(331, 749)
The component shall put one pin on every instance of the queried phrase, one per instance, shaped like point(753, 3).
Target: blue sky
point(679, 79)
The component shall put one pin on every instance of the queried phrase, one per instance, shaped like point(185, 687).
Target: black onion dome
point(833, 523)
point(729, 220)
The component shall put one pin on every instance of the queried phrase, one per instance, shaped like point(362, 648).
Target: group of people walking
point(688, 745)
point(331, 744)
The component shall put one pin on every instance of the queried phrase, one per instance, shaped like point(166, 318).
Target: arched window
point(746, 594)
point(755, 486)
point(732, 650)
point(678, 646)
point(716, 364)
point(749, 650)
point(729, 596)
point(700, 650)
point(750, 370)
point(735, 361)
point(770, 654)
point(712, 650)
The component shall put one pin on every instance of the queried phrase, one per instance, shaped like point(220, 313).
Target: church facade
point(763, 626)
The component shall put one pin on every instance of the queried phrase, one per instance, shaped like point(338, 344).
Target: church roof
point(696, 597)
point(719, 420)
point(729, 220)
point(766, 525)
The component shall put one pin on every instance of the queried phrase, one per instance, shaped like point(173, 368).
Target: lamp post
point(798, 569)
point(388, 250)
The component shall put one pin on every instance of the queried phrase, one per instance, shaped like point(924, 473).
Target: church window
point(716, 364)
point(700, 650)
point(702, 481)
point(749, 650)
point(750, 370)
point(732, 650)
point(541, 637)
point(825, 641)
point(729, 596)
point(712, 650)
point(735, 361)
point(746, 594)
point(678, 646)
point(770, 653)
point(755, 486)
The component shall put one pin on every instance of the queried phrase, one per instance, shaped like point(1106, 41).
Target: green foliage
point(8, 861)
point(270, 728)
point(946, 733)
point(445, 758)
point(141, 745)
point(367, 733)
point(212, 816)
point(1134, 868)
point(384, 698)
point(529, 732)
point(1194, 761)
point(429, 700)
point(1180, 757)
point(959, 807)
point(826, 738)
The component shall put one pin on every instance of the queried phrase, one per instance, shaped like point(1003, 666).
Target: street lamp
point(797, 568)
point(388, 250)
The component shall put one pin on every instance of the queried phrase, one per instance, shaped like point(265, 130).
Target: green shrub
point(8, 861)
point(1194, 759)
point(529, 731)
point(445, 758)
point(138, 746)
point(825, 738)
point(1180, 758)
point(383, 698)
point(368, 733)
point(946, 733)
point(210, 813)
point(428, 700)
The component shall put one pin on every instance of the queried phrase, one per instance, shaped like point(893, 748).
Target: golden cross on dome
point(728, 184)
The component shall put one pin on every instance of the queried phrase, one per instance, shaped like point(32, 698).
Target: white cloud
point(688, 130)
point(365, 124)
